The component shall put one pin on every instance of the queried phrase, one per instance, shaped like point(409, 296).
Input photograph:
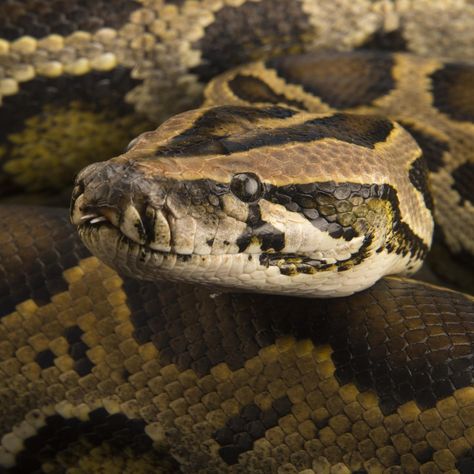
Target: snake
point(241, 316)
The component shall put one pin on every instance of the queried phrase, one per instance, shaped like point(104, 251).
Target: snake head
point(260, 199)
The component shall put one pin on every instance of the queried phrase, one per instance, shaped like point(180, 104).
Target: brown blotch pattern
point(62, 442)
point(241, 431)
point(226, 130)
point(49, 115)
point(101, 91)
point(383, 339)
point(341, 80)
point(383, 40)
point(453, 91)
point(418, 174)
point(254, 90)
point(39, 18)
point(34, 256)
point(463, 182)
point(433, 148)
point(247, 24)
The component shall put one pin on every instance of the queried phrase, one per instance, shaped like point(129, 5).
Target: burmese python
point(102, 370)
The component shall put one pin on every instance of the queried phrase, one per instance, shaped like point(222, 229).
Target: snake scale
point(105, 373)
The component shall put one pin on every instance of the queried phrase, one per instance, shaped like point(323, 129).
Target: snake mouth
point(164, 229)
point(139, 260)
point(149, 229)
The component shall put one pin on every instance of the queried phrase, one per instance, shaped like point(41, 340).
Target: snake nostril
point(87, 174)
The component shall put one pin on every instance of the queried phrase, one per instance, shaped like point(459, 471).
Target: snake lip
point(91, 228)
point(148, 227)
point(85, 214)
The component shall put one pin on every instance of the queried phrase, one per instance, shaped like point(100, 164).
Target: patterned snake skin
point(104, 373)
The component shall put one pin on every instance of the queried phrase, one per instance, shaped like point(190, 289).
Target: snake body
point(102, 372)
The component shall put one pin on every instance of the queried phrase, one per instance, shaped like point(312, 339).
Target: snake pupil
point(246, 186)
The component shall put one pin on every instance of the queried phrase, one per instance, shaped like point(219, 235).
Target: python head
point(261, 199)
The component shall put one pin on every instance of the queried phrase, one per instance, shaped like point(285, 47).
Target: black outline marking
point(205, 136)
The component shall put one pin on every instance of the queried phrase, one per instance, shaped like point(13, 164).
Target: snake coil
point(101, 371)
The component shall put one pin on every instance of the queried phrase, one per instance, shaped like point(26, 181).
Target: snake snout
point(118, 194)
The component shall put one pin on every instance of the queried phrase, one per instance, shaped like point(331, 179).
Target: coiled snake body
point(105, 372)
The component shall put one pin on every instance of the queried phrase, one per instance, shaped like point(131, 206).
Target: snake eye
point(246, 186)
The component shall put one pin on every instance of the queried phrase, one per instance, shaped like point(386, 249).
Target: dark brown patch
point(386, 41)
point(465, 464)
point(217, 117)
point(59, 434)
point(208, 133)
point(363, 130)
point(39, 18)
point(432, 148)
point(38, 244)
point(454, 270)
point(45, 358)
point(78, 350)
point(342, 80)
point(250, 31)
point(269, 237)
point(100, 91)
point(166, 315)
point(453, 91)
point(360, 130)
point(241, 431)
point(254, 90)
point(399, 356)
point(144, 304)
point(418, 174)
point(463, 182)
point(221, 115)
point(404, 340)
